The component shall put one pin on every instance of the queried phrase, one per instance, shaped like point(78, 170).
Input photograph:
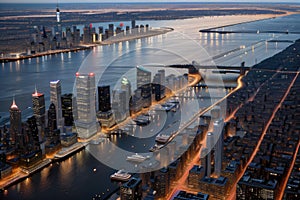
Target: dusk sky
point(100, 1)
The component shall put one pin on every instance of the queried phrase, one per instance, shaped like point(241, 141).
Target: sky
point(109, 1)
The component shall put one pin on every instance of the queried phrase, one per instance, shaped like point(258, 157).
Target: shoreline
point(150, 33)
point(109, 41)
point(23, 173)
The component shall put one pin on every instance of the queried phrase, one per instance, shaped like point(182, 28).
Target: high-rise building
point(67, 109)
point(38, 102)
point(33, 140)
point(144, 83)
point(219, 146)
point(39, 111)
point(119, 105)
point(15, 123)
point(52, 125)
point(210, 149)
point(52, 133)
point(86, 122)
point(55, 98)
point(159, 85)
point(126, 86)
point(104, 104)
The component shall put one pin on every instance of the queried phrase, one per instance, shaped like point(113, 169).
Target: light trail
point(286, 178)
point(182, 180)
point(233, 188)
point(232, 115)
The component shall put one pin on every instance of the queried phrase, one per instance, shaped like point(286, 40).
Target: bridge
point(247, 31)
point(194, 68)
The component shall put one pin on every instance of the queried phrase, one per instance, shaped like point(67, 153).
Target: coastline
point(228, 20)
point(109, 41)
point(21, 173)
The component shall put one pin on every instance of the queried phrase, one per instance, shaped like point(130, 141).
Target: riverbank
point(205, 23)
point(114, 39)
point(21, 173)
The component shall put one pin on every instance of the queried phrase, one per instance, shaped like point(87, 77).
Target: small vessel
point(142, 120)
point(156, 147)
point(120, 175)
point(165, 138)
point(168, 106)
point(162, 138)
point(137, 158)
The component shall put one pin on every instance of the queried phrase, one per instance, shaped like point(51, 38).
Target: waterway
point(75, 178)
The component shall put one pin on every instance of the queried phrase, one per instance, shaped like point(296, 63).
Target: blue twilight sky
point(109, 1)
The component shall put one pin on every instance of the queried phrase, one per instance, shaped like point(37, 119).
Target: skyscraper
point(15, 123)
point(67, 109)
point(38, 105)
point(126, 86)
point(86, 123)
point(144, 83)
point(219, 136)
point(104, 98)
point(159, 85)
point(55, 98)
point(52, 125)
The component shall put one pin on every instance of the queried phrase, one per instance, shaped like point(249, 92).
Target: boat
point(156, 147)
point(162, 138)
point(142, 120)
point(137, 158)
point(165, 138)
point(120, 175)
point(168, 106)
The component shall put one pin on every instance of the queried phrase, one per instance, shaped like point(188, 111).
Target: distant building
point(15, 124)
point(86, 123)
point(133, 24)
point(131, 189)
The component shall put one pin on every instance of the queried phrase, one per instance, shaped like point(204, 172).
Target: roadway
point(232, 193)
point(180, 183)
